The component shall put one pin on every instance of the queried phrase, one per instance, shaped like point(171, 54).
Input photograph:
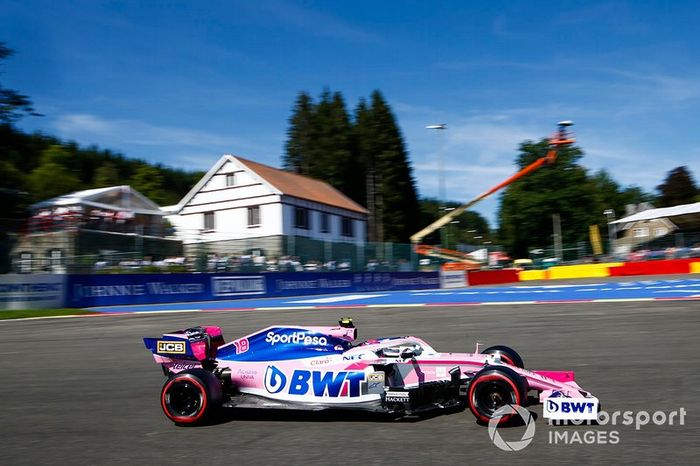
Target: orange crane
point(560, 139)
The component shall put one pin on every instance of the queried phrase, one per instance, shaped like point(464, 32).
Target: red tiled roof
point(303, 187)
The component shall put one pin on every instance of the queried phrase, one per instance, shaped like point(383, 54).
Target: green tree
point(13, 105)
point(331, 155)
point(319, 141)
point(148, 180)
point(397, 197)
point(13, 198)
point(52, 177)
point(300, 135)
point(678, 188)
point(106, 175)
point(366, 159)
point(468, 228)
point(364, 177)
point(526, 207)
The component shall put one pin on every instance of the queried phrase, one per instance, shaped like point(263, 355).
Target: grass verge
point(24, 313)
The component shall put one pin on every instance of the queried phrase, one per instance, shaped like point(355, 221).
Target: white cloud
point(135, 132)
point(315, 22)
point(478, 153)
point(190, 149)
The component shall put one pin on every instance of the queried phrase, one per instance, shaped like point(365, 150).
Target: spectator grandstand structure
point(85, 226)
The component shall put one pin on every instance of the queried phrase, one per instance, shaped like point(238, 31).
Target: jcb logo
point(172, 347)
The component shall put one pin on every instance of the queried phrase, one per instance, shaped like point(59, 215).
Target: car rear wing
point(197, 343)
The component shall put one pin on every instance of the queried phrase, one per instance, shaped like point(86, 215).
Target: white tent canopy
point(663, 212)
point(116, 198)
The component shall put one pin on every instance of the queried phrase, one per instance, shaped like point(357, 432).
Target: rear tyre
point(492, 388)
point(191, 397)
point(508, 355)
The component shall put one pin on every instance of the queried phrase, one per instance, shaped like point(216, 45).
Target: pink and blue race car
point(314, 368)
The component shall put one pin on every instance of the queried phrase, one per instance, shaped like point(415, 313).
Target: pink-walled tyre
point(191, 397)
point(508, 355)
point(492, 388)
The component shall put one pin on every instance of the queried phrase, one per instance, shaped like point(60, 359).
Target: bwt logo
point(303, 382)
point(570, 406)
point(275, 380)
point(297, 338)
point(171, 347)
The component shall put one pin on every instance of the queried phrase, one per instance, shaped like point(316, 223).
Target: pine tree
point(366, 159)
point(331, 155)
point(396, 196)
point(678, 188)
point(365, 177)
point(300, 136)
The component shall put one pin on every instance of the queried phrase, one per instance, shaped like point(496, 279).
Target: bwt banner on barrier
point(108, 290)
point(24, 291)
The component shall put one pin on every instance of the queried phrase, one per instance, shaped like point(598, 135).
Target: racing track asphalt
point(85, 390)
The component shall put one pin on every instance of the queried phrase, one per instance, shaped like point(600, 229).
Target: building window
point(325, 223)
point(301, 218)
point(254, 216)
point(25, 262)
point(660, 231)
point(641, 232)
point(55, 257)
point(347, 227)
point(230, 179)
point(208, 221)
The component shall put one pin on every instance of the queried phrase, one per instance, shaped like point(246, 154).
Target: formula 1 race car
point(314, 368)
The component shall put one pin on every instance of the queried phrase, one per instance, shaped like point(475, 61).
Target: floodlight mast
point(560, 139)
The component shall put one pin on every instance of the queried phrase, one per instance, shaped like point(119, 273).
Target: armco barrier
point(660, 267)
point(492, 277)
point(110, 290)
point(582, 270)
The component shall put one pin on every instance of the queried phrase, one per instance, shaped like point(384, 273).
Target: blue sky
point(181, 82)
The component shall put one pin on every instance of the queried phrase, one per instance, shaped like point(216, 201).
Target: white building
point(241, 205)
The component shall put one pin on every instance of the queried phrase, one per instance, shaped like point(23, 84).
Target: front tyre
point(492, 388)
point(507, 355)
point(190, 397)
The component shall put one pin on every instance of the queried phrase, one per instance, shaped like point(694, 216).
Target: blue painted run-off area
point(655, 289)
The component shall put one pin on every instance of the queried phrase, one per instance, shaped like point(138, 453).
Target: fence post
point(290, 245)
point(360, 257)
point(679, 240)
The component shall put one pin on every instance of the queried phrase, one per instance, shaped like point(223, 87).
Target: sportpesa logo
point(296, 338)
